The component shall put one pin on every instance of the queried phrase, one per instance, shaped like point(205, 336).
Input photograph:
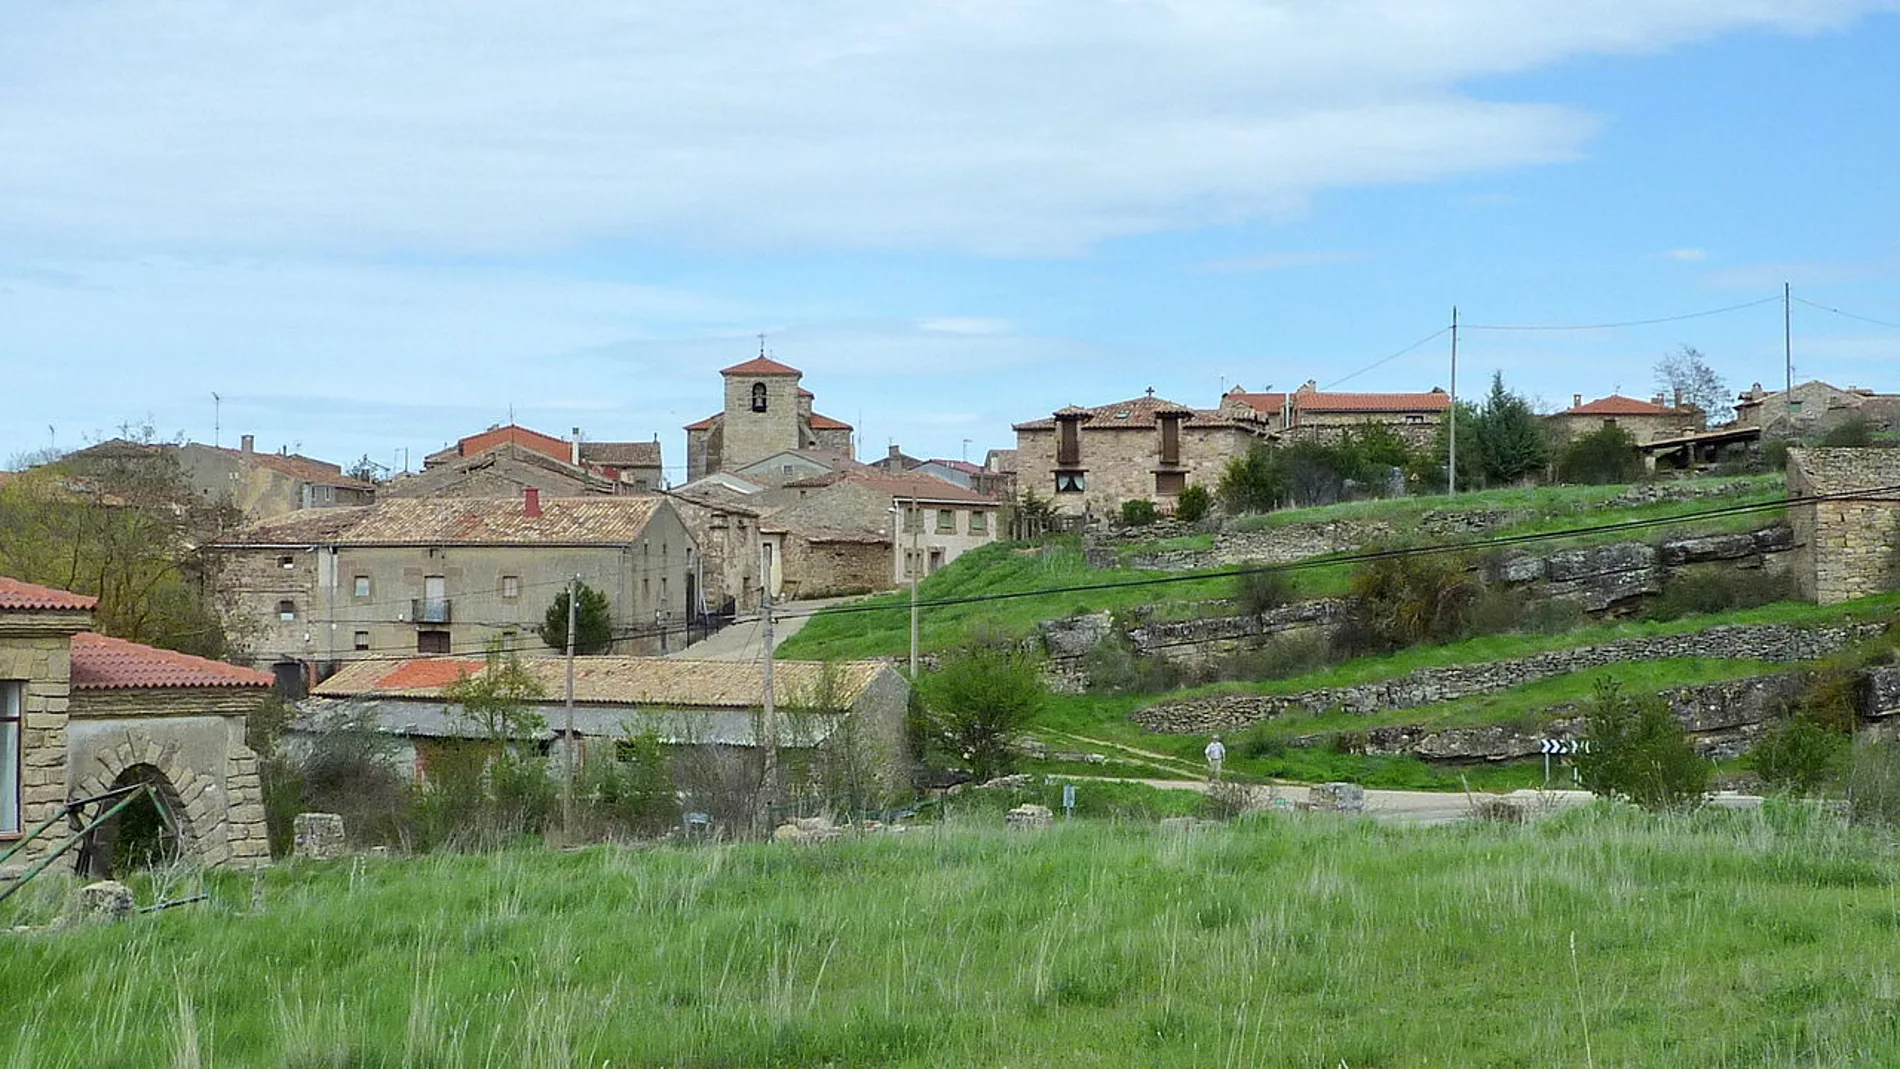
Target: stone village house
point(1814, 408)
point(1647, 422)
point(504, 461)
point(766, 412)
point(447, 575)
point(846, 713)
point(1847, 547)
point(865, 530)
point(81, 713)
point(259, 485)
point(1309, 413)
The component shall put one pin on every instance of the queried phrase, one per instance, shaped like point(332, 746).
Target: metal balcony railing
point(429, 610)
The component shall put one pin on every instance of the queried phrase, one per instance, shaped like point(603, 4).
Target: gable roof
point(621, 454)
point(605, 454)
point(101, 662)
point(963, 466)
point(922, 487)
point(1135, 413)
point(19, 596)
point(761, 365)
point(302, 468)
point(821, 422)
point(1618, 405)
point(1319, 402)
point(661, 681)
point(706, 424)
point(596, 520)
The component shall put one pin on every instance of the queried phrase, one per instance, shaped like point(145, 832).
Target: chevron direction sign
point(1565, 746)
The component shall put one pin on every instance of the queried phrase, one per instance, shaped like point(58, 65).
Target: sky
point(371, 229)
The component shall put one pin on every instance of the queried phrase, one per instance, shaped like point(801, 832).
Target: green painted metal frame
point(82, 828)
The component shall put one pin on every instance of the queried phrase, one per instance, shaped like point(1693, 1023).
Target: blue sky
point(372, 230)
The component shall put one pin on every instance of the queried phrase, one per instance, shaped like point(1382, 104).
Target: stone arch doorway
point(143, 834)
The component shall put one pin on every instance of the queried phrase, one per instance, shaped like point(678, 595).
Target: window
point(979, 521)
point(913, 519)
point(286, 609)
point(913, 561)
point(432, 642)
point(936, 560)
point(1070, 482)
point(947, 520)
point(12, 697)
point(1170, 482)
point(758, 397)
point(511, 586)
point(787, 468)
point(362, 586)
point(362, 640)
point(286, 561)
point(1170, 439)
point(1068, 444)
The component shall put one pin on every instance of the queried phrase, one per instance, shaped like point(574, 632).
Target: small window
point(758, 397)
point(286, 561)
point(947, 520)
point(979, 521)
point(913, 520)
point(362, 586)
point(1170, 483)
point(12, 701)
point(286, 610)
point(787, 468)
point(362, 640)
point(1070, 482)
point(511, 586)
point(432, 642)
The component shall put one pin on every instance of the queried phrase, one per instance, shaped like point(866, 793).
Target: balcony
point(429, 610)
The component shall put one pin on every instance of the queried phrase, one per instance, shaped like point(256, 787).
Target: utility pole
point(914, 564)
point(567, 766)
point(768, 727)
point(217, 418)
point(1451, 470)
point(1787, 345)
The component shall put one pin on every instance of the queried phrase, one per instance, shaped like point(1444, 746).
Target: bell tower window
point(758, 397)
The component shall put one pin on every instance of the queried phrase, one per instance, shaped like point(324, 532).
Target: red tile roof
point(104, 663)
point(706, 424)
point(17, 595)
point(1137, 412)
point(1618, 405)
point(1317, 402)
point(545, 444)
point(303, 469)
point(826, 423)
point(410, 675)
point(760, 365)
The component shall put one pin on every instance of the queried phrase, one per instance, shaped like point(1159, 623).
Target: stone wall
point(1120, 463)
point(1849, 547)
point(1780, 643)
point(819, 567)
point(749, 435)
point(34, 653)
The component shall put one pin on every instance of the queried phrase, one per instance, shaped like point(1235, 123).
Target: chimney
point(574, 454)
point(1678, 397)
point(1658, 399)
point(1576, 400)
point(897, 458)
point(248, 444)
point(531, 502)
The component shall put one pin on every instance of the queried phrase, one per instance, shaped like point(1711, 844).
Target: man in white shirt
point(1216, 753)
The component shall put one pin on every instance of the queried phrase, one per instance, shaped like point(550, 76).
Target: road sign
point(1565, 746)
point(1068, 799)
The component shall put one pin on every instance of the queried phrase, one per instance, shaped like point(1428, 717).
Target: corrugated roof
point(18, 596)
point(606, 520)
point(761, 365)
point(1618, 405)
point(662, 681)
point(101, 662)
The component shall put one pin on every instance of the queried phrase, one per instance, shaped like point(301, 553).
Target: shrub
point(1873, 784)
point(593, 622)
point(1798, 756)
point(1606, 455)
point(1405, 601)
point(1639, 751)
point(1224, 801)
point(1711, 588)
point(1262, 591)
point(1139, 512)
point(1112, 666)
point(1855, 433)
point(1281, 657)
point(979, 702)
point(629, 795)
point(1258, 742)
point(1191, 505)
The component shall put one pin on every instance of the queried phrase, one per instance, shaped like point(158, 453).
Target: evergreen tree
point(1511, 443)
point(593, 623)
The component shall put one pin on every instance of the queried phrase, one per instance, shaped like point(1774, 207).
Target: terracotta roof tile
point(923, 487)
point(663, 681)
point(706, 424)
point(1317, 401)
point(430, 674)
point(104, 663)
point(621, 454)
point(1618, 405)
point(17, 595)
point(820, 422)
point(760, 365)
point(594, 520)
point(1137, 412)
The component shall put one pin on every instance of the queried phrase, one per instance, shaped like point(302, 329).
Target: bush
point(1873, 784)
point(1711, 588)
point(1406, 601)
point(979, 702)
point(1192, 504)
point(1262, 591)
point(1280, 657)
point(1638, 751)
point(1798, 756)
point(1113, 667)
point(1139, 512)
point(1258, 742)
point(1606, 455)
point(1855, 433)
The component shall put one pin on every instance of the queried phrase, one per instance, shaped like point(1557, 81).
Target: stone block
point(318, 836)
point(1029, 818)
point(107, 900)
point(1338, 798)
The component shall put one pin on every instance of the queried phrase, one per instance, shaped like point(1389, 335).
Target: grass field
point(1600, 937)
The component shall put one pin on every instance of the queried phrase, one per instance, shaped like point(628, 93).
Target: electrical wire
point(1626, 323)
point(1381, 362)
point(1847, 314)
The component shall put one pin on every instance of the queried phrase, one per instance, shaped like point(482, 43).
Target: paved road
point(741, 641)
point(1426, 807)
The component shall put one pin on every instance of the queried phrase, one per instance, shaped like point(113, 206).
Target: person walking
point(1216, 753)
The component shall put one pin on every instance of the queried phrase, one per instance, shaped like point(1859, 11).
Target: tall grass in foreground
point(1722, 939)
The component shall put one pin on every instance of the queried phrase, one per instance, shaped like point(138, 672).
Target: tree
point(1192, 504)
point(365, 470)
point(1511, 442)
point(1429, 470)
point(1255, 482)
point(1686, 373)
point(502, 786)
point(1605, 455)
point(1640, 752)
point(980, 701)
point(593, 620)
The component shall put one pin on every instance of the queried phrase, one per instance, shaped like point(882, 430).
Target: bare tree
point(1686, 373)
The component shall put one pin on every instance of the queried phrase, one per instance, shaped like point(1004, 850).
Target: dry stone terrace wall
point(1779, 643)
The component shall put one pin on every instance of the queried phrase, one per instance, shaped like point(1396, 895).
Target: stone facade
point(1645, 421)
point(765, 412)
point(1814, 408)
point(1848, 546)
point(1312, 414)
point(35, 658)
point(918, 524)
point(503, 471)
point(729, 560)
point(1090, 460)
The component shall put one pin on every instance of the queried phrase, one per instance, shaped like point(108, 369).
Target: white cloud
point(1281, 261)
point(995, 126)
point(1687, 256)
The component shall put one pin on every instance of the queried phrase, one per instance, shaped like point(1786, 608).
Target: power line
point(1627, 323)
point(1847, 314)
point(1388, 359)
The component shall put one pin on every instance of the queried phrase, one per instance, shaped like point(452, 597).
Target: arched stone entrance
point(192, 798)
point(173, 835)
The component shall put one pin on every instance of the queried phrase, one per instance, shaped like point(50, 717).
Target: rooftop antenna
point(511, 414)
point(761, 345)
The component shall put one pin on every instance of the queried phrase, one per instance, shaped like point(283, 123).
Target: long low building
point(835, 720)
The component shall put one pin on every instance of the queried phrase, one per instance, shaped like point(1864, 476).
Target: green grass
point(1598, 937)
